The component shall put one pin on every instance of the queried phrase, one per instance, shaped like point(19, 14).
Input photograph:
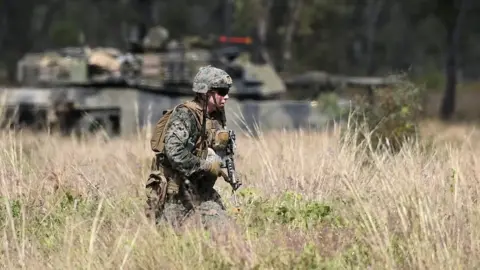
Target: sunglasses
point(221, 91)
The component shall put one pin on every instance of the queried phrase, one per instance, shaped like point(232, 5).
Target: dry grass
point(308, 201)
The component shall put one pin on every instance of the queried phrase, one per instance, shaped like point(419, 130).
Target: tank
point(81, 89)
point(87, 89)
point(312, 83)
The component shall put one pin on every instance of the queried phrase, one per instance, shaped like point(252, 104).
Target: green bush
point(289, 209)
point(390, 118)
point(329, 104)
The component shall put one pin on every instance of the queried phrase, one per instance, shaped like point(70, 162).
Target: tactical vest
point(163, 175)
point(158, 137)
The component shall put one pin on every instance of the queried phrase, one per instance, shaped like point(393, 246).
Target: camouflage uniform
point(181, 178)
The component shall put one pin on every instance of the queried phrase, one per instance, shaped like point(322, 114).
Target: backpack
point(157, 142)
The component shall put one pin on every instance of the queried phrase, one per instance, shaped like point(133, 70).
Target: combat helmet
point(209, 77)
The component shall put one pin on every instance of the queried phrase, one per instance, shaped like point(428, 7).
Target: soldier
point(183, 174)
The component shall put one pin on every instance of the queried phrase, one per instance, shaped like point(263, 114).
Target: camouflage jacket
point(181, 135)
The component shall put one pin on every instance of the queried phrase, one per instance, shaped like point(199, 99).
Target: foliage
point(434, 80)
point(289, 209)
point(390, 118)
point(65, 34)
point(306, 203)
point(330, 104)
point(406, 34)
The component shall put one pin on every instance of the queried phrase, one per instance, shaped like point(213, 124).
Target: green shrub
point(390, 118)
point(289, 209)
point(329, 104)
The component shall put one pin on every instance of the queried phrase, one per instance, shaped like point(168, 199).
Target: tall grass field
point(392, 193)
point(308, 201)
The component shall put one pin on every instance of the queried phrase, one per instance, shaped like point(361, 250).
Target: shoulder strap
point(156, 142)
point(158, 136)
point(197, 110)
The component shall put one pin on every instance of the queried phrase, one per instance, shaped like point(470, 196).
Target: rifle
point(228, 162)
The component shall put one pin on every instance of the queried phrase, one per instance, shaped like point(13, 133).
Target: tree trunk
point(373, 10)
point(262, 29)
point(453, 37)
point(295, 8)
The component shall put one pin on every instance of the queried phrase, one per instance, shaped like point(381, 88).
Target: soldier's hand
point(235, 185)
point(214, 168)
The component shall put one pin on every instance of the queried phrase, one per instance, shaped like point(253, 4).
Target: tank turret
point(173, 68)
point(76, 66)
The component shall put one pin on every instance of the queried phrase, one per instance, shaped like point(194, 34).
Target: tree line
point(427, 38)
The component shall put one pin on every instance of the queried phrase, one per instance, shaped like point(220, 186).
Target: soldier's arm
point(178, 150)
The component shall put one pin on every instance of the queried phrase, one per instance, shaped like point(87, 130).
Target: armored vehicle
point(83, 89)
point(80, 89)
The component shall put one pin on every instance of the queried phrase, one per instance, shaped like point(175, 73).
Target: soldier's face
point(218, 98)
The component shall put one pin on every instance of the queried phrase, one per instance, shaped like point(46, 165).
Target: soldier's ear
point(209, 93)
